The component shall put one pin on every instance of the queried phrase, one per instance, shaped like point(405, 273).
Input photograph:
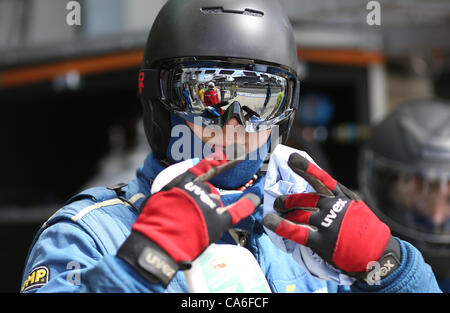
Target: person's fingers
point(209, 163)
point(286, 229)
point(286, 203)
point(320, 180)
point(218, 162)
point(297, 208)
point(243, 207)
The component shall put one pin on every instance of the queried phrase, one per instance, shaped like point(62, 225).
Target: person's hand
point(335, 224)
point(178, 223)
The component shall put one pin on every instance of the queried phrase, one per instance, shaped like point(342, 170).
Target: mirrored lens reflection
point(208, 92)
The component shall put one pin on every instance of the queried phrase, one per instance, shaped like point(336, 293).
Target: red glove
point(334, 223)
point(178, 223)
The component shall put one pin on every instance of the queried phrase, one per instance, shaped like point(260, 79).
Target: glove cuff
point(386, 265)
point(148, 259)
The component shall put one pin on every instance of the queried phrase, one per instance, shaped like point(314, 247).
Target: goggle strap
point(149, 83)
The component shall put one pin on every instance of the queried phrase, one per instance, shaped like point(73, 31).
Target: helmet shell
point(415, 137)
point(241, 29)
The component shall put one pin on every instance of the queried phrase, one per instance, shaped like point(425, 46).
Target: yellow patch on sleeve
point(37, 278)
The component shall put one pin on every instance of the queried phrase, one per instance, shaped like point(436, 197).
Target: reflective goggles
point(213, 92)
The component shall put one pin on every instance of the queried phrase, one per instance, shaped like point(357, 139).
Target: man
point(187, 96)
point(211, 98)
point(200, 92)
point(121, 239)
point(405, 178)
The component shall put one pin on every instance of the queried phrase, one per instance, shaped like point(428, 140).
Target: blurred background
point(70, 117)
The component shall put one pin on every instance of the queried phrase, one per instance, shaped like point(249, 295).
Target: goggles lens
point(206, 90)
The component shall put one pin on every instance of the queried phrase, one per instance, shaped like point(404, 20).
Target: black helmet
point(240, 45)
point(405, 177)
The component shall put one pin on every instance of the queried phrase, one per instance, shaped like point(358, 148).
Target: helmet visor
point(204, 91)
point(415, 203)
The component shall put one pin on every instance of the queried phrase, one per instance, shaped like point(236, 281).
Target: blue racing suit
point(75, 250)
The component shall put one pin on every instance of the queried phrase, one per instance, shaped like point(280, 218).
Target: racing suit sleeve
point(67, 260)
point(412, 276)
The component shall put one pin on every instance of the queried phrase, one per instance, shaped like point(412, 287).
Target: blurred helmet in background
point(405, 174)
